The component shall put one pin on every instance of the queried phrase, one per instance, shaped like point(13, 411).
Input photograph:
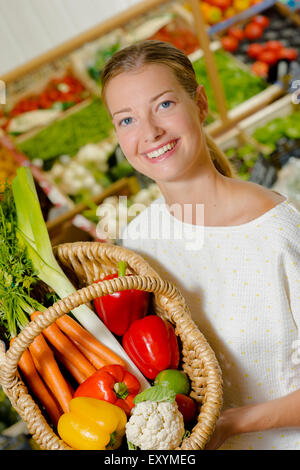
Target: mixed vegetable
point(59, 95)
point(89, 379)
point(268, 43)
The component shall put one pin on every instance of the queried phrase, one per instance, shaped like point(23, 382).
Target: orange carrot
point(97, 361)
point(63, 345)
point(76, 332)
point(74, 371)
point(48, 369)
point(37, 386)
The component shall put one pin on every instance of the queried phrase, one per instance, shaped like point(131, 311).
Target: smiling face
point(158, 125)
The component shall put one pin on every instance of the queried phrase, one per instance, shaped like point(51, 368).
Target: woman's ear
point(201, 101)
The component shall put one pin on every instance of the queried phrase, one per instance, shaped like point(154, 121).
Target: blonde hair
point(136, 55)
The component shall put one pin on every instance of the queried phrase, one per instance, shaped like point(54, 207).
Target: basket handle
point(8, 366)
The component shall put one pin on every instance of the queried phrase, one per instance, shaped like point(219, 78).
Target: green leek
point(33, 232)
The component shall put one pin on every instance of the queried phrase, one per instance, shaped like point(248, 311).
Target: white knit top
point(242, 284)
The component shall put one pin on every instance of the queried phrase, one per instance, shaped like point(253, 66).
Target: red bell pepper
point(112, 383)
point(120, 309)
point(152, 345)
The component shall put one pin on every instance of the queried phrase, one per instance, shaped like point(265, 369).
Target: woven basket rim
point(178, 315)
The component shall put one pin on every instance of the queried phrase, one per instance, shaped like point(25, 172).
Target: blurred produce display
point(274, 144)
point(274, 130)
point(90, 124)
point(8, 165)
point(88, 61)
point(239, 84)
point(86, 174)
point(263, 42)
point(243, 159)
point(101, 56)
point(181, 37)
point(39, 109)
point(117, 212)
point(215, 11)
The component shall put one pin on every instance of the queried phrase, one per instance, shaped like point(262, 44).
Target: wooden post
point(211, 67)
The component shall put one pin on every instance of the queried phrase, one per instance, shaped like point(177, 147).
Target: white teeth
point(161, 150)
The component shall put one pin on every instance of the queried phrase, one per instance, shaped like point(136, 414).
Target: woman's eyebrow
point(127, 110)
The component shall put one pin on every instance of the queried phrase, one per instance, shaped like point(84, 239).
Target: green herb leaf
point(156, 393)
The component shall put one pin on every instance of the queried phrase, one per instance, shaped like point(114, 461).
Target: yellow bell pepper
point(92, 424)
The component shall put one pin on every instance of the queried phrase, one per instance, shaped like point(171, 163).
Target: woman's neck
point(206, 192)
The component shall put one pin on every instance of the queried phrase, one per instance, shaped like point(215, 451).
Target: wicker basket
point(89, 261)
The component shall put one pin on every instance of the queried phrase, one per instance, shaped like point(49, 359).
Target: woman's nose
point(151, 130)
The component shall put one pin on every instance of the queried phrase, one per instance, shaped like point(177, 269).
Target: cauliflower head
point(155, 426)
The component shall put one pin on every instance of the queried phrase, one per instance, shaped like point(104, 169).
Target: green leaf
point(131, 446)
point(113, 440)
point(156, 393)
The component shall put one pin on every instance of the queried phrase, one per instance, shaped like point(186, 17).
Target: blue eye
point(166, 104)
point(126, 121)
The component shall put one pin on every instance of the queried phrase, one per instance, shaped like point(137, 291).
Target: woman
point(236, 261)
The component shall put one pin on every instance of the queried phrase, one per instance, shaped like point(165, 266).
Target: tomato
point(269, 57)
point(229, 44)
point(254, 50)
point(235, 32)
point(261, 20)
point(260, 68)
point(289, 54)
point(186, 406)
point(253, 31)
point(274, 46)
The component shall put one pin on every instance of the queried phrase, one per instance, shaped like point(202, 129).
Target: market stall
point(246, 54)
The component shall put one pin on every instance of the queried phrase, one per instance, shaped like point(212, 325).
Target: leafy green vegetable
point(288, 126)
point(121, 170)
point(243, 159)
point(239, 85)
point(101, 57)
point(90, 124)
point(156, 393)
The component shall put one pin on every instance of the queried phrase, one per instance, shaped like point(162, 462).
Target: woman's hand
point(225, 428)
point(282, 412)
